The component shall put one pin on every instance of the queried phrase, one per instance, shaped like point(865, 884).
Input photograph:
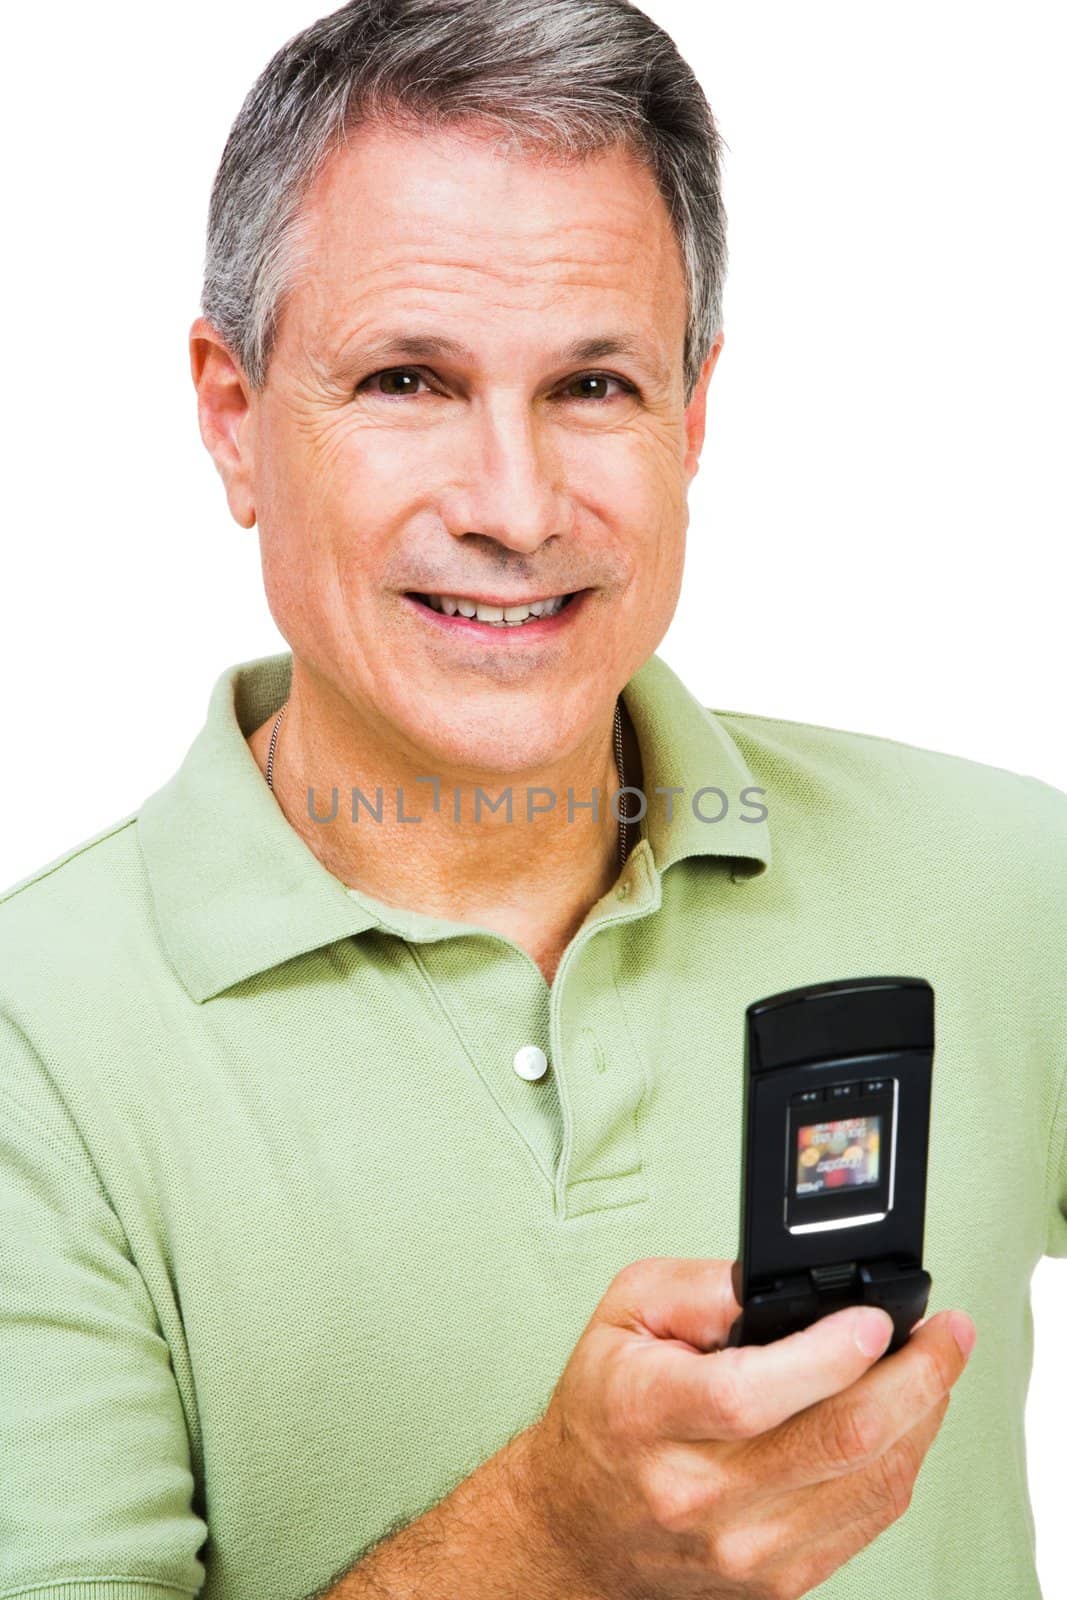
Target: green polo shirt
point(289, 1246)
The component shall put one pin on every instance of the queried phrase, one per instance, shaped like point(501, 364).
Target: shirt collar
point(236, 890)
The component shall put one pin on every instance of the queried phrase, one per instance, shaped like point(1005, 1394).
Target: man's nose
point(509, 483)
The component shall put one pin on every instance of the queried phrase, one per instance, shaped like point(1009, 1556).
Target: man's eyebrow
point(424, 346)
point(616, 344)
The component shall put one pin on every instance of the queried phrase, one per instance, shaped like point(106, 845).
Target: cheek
point(658, 521)
point(323, 491)
point(292, 600)
point(650, 507)
point(643, 474)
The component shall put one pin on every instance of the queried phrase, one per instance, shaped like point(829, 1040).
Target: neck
point(532, 880)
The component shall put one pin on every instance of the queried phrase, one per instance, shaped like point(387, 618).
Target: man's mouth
point(513, 614)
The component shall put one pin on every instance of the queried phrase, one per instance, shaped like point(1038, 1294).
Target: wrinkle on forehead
point(460, 221)
point(477, 260)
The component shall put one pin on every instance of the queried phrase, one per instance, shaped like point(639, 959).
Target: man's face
point(379, 466)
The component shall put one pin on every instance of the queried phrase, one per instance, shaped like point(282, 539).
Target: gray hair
point(567, 78)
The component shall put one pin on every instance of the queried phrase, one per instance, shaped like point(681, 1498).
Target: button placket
point(600, 1087)
point(498, 1009)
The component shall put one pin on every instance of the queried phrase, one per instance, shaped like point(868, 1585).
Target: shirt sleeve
point(1056, 1240)
point(95, 1478)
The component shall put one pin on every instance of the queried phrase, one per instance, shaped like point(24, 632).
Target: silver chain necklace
point(623, 821)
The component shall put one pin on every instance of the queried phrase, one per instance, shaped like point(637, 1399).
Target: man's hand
point(667, 1466)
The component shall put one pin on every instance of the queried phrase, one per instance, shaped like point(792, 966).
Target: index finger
point(745, 1390)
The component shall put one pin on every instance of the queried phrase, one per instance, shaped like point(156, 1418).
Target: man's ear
point(696, 411)
point(225, 416)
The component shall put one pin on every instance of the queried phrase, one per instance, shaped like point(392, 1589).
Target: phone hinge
point(831, 1280)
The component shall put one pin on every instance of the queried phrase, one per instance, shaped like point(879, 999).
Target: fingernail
point(964, 1332)
point(872, 1331)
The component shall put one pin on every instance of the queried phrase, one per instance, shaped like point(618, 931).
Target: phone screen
point(836, 1155)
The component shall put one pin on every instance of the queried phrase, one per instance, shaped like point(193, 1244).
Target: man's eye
point(406, 378)
point(600, 379)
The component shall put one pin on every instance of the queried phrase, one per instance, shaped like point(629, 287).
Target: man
point(370, 1135)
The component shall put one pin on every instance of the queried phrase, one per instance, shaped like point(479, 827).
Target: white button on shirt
point(530, 1062)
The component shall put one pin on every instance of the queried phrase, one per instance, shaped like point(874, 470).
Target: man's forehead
point(408, 232)
point(508, 243)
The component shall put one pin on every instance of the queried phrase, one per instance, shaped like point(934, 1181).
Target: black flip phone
point(835, 1135)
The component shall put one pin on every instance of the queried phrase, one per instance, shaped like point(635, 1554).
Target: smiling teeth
point(499, 616)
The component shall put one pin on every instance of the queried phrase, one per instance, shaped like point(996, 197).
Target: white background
point(878, 523)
